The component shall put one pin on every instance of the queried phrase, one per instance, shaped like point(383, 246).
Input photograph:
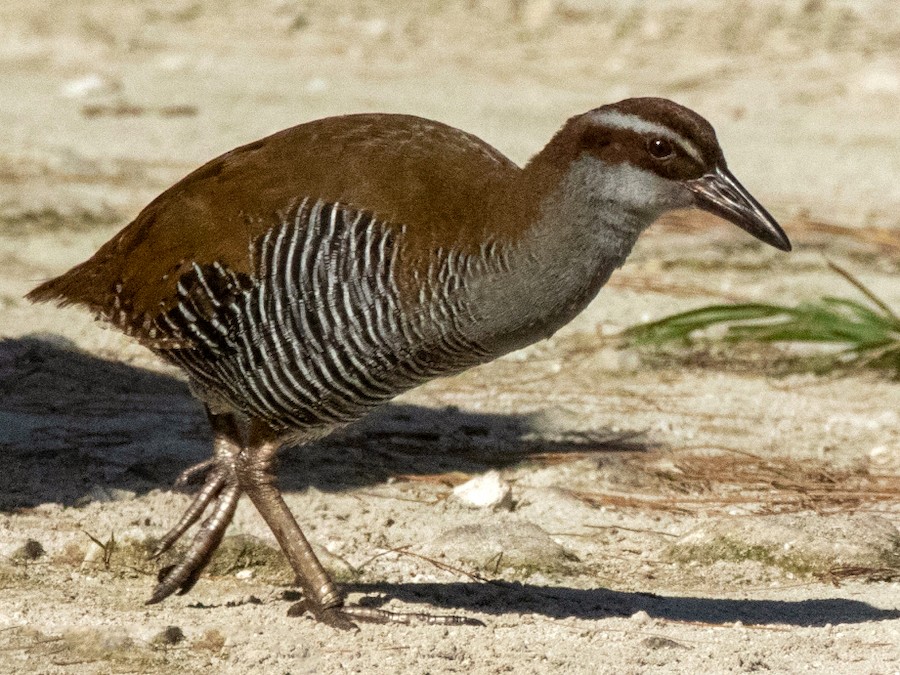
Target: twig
point(107, 548)
point(447, 568)
point(375, 557)
point(632, 529)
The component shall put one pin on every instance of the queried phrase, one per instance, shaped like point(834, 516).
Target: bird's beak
point(720, 193)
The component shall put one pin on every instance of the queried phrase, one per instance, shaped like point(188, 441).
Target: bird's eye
point(659, 148)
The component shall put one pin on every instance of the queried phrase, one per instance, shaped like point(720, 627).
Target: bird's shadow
point(556, 602)
point(72, 423)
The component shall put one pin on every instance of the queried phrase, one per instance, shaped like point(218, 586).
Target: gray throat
point(560, 264)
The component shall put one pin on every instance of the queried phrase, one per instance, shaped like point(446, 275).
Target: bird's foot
point(344, 617)
point(211, 491)
point(221, 490)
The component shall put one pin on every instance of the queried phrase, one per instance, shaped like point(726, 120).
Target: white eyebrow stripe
point(618, 120)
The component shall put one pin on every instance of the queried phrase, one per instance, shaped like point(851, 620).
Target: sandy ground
point(707, 513)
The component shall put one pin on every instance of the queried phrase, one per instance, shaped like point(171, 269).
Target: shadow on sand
point(501, 597)
point(70, 422)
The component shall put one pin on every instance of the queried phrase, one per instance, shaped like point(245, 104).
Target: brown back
point(437, 181)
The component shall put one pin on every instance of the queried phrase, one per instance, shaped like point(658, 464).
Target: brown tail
point(72, 288)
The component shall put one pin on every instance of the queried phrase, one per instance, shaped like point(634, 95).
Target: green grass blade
point(871, 335)
point(679, 327)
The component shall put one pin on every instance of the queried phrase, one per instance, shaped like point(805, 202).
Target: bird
point(306, 278)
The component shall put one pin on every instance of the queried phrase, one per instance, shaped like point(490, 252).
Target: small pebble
point(640, 617)
point(170, 635)
point(659, 642)
point(30, 550)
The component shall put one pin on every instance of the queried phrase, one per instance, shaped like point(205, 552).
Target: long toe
point(194, 473)
point(210, 491)
point(183, 575)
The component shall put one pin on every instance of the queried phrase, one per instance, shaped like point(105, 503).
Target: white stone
point(485, 491)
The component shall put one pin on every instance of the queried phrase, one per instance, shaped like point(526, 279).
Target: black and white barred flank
point(318, 334)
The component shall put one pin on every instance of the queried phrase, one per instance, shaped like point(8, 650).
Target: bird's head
point(654, 155)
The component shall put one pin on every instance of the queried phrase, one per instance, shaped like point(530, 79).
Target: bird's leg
point(322, 598)
point(221, 489)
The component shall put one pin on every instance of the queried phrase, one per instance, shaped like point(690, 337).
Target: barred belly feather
point(318, 334)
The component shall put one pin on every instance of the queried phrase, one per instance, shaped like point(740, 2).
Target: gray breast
point(319, 333)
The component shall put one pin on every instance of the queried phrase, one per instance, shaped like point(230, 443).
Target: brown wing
point(435, 180)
